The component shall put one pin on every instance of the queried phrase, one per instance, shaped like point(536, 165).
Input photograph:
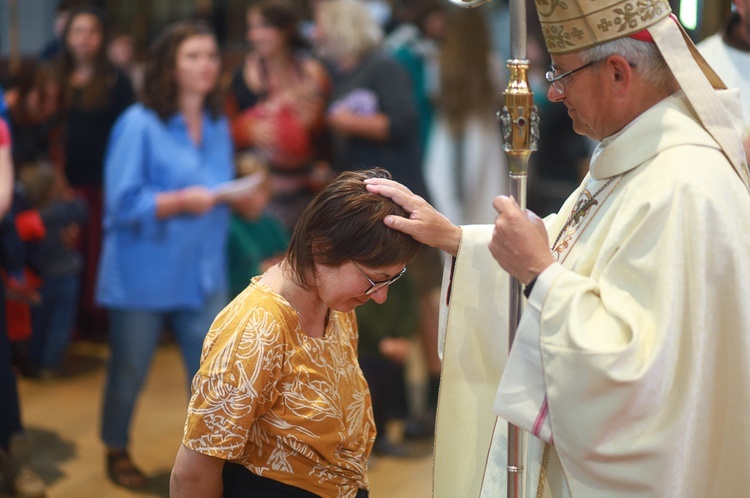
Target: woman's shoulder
point(137, 118)
point(138, 112)
point(261, 305)
point(252, 326)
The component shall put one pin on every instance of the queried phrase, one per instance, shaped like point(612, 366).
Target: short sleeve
point(237, 381)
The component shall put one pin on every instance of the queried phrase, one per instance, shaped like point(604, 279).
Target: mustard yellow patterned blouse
point(287, 406)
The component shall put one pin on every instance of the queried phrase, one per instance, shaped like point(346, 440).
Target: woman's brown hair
point(160, 91)
point(95, 94)
point(465, 72)
point(345, 222)
point(281, 15)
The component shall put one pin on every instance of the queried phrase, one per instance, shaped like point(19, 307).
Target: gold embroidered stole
point(566, 250)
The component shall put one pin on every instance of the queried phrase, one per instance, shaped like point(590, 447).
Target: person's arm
point(6, 170)
point(396, 117)
point(374, 127)
point(129, 196)
point(195, 475)
point(519, 243)
point(191, 200)
point(6, 180)
point(424, 223)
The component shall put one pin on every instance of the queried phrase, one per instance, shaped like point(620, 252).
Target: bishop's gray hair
point(645, 57)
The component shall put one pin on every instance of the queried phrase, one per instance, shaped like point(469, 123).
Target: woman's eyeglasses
point(376, 286)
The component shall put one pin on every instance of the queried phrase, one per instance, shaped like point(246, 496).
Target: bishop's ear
point(621, 72)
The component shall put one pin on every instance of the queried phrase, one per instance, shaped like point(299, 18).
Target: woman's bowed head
point(341, 254)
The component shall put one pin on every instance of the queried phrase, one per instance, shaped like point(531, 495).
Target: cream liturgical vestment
point(632, 355)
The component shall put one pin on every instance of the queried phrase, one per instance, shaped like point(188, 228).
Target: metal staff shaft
point(520, 129)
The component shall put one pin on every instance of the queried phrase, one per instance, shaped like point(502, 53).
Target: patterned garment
point(287, 406)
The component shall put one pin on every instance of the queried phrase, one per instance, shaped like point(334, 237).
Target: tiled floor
point(62, 419)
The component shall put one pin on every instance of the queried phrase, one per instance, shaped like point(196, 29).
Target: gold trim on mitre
point(572, 25)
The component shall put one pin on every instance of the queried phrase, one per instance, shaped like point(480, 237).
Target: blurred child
point(256, 239)
point(56, 260)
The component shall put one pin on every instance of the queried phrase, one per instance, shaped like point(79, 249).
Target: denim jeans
point(53, 320)
point(133, 337)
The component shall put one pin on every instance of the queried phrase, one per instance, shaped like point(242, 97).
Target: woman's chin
point(348, 306)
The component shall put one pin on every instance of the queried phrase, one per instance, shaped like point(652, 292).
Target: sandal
point(123, 472)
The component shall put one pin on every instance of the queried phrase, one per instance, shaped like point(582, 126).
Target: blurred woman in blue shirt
point(165, 228)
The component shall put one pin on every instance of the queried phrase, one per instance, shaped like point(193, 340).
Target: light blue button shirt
point(162, 264)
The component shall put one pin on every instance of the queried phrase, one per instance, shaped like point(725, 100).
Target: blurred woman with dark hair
point(93, 94)
point(165, 227)
point(35, 115)
point(277, 101)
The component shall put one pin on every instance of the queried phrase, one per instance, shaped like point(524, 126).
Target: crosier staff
point(519, 124)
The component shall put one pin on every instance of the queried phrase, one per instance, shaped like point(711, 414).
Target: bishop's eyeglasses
point(555, 79)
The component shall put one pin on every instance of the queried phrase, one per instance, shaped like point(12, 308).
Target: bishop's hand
point(519, 242)
point(424, 223)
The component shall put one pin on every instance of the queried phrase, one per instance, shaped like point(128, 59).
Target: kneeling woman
point(279, 405)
